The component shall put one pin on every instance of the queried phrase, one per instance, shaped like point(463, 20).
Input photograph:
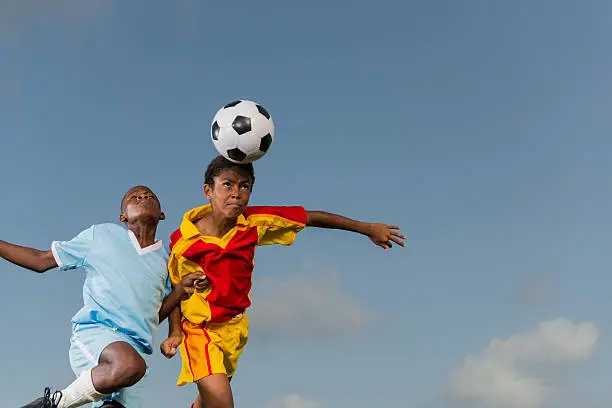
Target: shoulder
point(175, 237)
point(270, 210)
point(109, 227)
point(292, 213)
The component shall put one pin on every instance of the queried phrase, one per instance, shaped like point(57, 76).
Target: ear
point(122, 218)
point(162, 216)
point(208, 191)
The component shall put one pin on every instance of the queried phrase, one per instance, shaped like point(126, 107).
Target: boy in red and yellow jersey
point(219, 239)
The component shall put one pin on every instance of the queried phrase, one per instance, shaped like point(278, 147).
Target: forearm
point(322, 219)
point(174, 321)
point(171, 302)
point(29, 258)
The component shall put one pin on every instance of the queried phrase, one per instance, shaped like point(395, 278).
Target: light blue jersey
point(124, 283)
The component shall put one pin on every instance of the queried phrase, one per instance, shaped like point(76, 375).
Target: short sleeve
point(72, 254)
point(277, 225)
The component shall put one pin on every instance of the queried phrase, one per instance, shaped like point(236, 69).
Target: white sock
point(80, 392)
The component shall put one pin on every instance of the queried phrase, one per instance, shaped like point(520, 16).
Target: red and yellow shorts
point(211, 348)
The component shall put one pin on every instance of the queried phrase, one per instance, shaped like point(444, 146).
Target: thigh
point(88, 342)
point(233, 338)
point(121, 353)
point(87, 346)
point(200, 354)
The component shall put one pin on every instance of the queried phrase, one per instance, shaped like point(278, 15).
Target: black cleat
point(46, 401)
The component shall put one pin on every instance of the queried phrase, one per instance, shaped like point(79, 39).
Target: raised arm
point(29, 258)
point(380, 234)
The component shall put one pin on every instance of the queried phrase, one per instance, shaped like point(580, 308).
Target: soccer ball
point(242, 131)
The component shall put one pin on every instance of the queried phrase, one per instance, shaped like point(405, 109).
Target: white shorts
point(86, 346)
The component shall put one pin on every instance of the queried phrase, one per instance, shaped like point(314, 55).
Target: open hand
point(169, 347)
point(383, 235)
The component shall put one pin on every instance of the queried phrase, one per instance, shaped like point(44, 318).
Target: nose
point(235, 192)
point(143, 196)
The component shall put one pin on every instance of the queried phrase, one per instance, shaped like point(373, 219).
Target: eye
point(244, 187)
point(227, 184)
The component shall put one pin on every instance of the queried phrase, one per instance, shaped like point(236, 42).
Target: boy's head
point(228, 186)
point(140, 204)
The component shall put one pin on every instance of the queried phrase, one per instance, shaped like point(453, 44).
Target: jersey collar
point(189, 230)
point(153, 247)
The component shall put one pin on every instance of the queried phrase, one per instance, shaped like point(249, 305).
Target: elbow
point(40, 267)
point(312, 218)
point(44, 261)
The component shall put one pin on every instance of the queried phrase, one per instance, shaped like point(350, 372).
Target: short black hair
point(220, 163)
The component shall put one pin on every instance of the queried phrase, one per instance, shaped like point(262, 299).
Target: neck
point(219, 226)
point(145, 233)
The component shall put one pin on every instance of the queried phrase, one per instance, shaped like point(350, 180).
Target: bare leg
point(119, 366)
point(214, 392)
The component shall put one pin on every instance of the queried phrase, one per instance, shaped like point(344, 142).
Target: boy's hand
point(383, 234)
point(201, 285)
point(191, 282)
point(169, 347)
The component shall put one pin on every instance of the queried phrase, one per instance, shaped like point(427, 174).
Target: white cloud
point(306, 305)
point(521, 370)
point(293, 401)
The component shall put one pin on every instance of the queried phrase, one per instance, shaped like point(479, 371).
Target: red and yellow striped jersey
point(228, 261)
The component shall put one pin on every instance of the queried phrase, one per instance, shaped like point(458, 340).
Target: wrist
point(364, 228)
point(179, 289)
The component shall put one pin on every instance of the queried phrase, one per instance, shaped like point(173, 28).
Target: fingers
point(397, 234)
point(169, 347)
point(168, 350)
point(201, 285)
point(397, 241)
point(384, 245)
point(192, 277)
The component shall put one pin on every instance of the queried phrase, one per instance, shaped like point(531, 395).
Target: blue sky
point(480, 127)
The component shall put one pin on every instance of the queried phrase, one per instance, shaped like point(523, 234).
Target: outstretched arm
point(29, 258)
point(380, 234)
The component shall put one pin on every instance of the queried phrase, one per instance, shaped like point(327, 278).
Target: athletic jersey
point(124, 283)
point(228, 261)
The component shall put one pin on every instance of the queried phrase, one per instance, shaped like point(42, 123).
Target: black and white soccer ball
point(242, 131)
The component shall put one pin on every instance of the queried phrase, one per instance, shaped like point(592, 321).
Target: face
point(140, 203)
point(230, 193)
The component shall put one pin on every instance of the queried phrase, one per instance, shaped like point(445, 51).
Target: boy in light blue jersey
point(126, 294)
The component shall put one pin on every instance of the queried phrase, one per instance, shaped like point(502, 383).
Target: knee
point(214, 392)
point(129, 370)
